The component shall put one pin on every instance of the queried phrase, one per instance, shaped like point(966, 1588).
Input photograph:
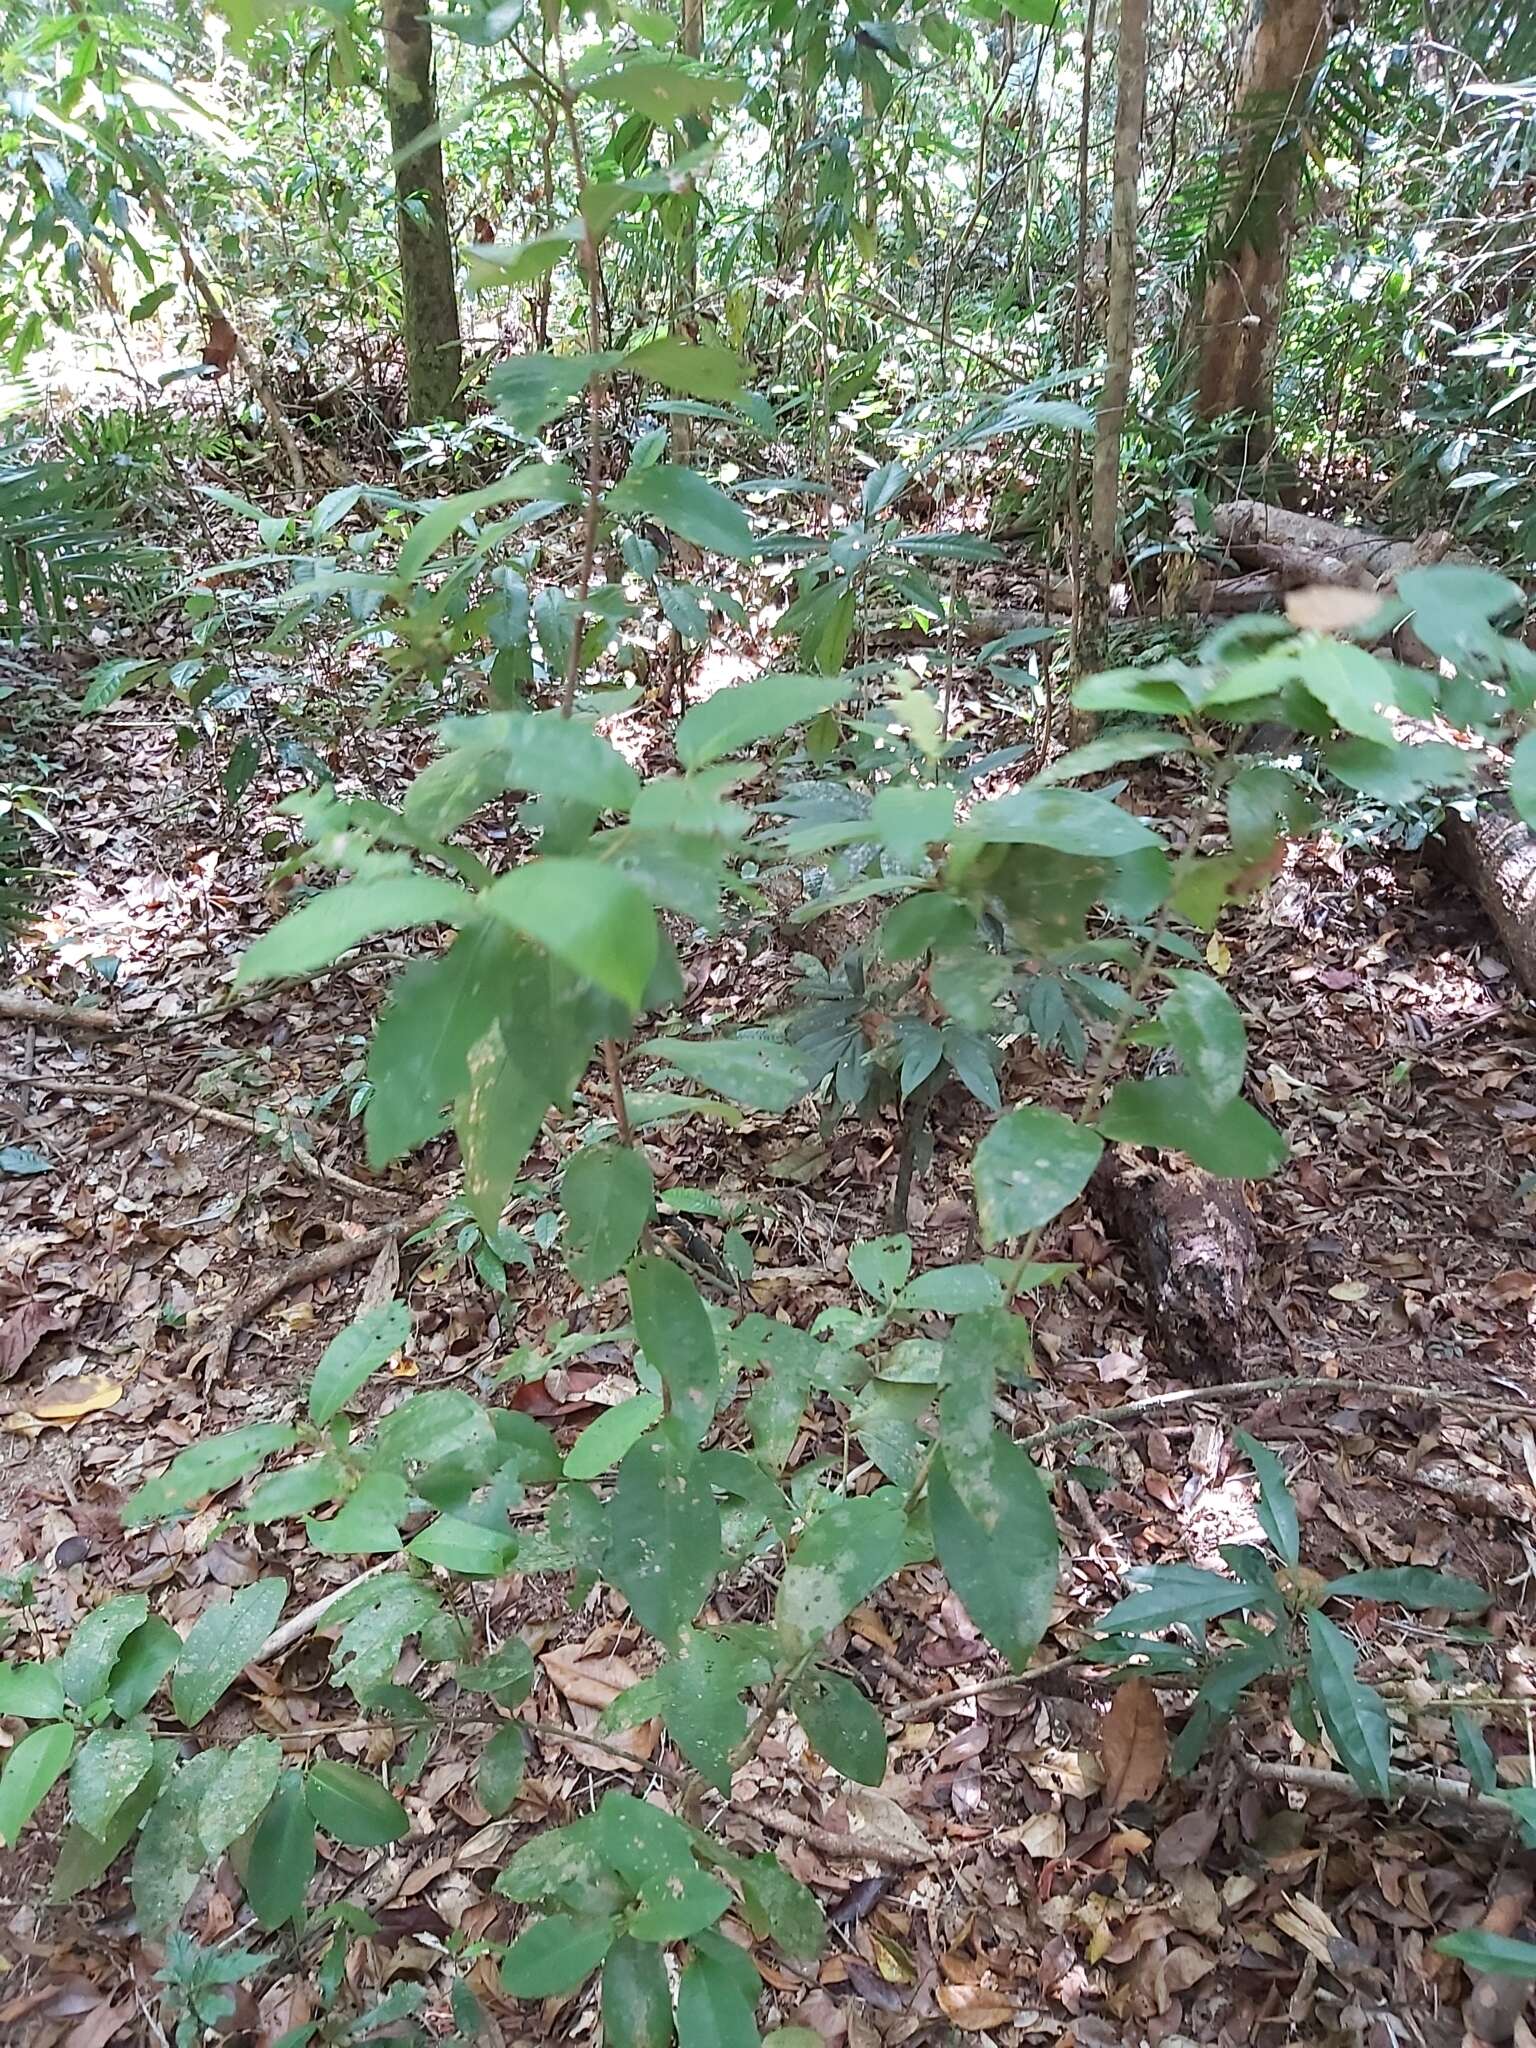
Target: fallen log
point(1304, 549)
point(1193, 1242)
point(1495, 855)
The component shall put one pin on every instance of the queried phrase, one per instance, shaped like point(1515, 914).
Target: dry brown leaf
point(1134, 1745)
point(1044, 1835)
point(588, 1685)
point(972, 2008)
point(22, 1331)
point(1187, 1841)
point(66, 1401)
point(1331, 607)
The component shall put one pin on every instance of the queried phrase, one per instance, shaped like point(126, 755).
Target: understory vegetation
point(690, 1358)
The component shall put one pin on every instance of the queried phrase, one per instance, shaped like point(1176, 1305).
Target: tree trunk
point(1119, 330)
point(1246, 265)
point(428, 298)
point(685, 279)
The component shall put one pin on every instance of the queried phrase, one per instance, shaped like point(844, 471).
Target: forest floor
point(1390, 1045)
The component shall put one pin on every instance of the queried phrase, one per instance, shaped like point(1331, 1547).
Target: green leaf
point(168, 1856)
point(438, 1012)
point(84, 1858)
point(335, 921)
point(492, 264)
point(907, 820)
point(677, 1338)
point(1354, 1716)
point(1522, 778)
point(663, 88)
point(351, 1805)
point(1410, 1585)
point(296, 1490)
point(712, 2009)
point(698, 369)
point(777, 1905)
point(111, 1765)
point(685, 504)
point(1277, 1508)
point(1170, 1593)
point(747, 712)
point(31, 1771)
point(841, 1724)
point(1160, 691)
point(282, 1858)
point(499, 1776)
point(538, 751)
point(146, 1656)
point(1173, 1114)
point(556, 1955)
point(663, 1532)
point(530, 391)
point(1208, 1035)
point(759, 1073)
point(604, 1442)
point(1498, 1955)
point(550, 1862)
point(953, 1290)
point(466, 1548)
point(995, 1534)
point(850, 1545)
point(1028, 1168)
point(1067, 820)
point(1351, 684)
point(636, 1998)
point(358, 1350)
point(32, 1692)
point(679, 1906)
point(1454, 607)
point(241, 1793)
point(588, 915)
point(206, 1467)
point(85, 1669)
point(221, 1643)
point(606, 1192)
point(880, 1265)
point(1111, 750)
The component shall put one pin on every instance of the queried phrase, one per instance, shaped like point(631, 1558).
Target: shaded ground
point(1387, 1042)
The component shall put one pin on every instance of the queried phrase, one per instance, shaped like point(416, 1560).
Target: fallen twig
point(309, 1618)
point(861, 1848)
point(1429, 1786)
point(206, 1113)
point(32, 1010)
point(1285, 1383)
point(317, 1265)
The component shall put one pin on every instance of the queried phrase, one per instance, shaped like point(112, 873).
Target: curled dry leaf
point(1133, 1745)
point(973, 2009)
point(65, 1402)
point(1331, 607)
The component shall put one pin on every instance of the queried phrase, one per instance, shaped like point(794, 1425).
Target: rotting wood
point(1494, 853)
point(1194, 1246)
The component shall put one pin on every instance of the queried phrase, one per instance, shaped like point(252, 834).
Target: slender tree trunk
point(685, 270)
point(1120, 329)
point(1238, 322)
point(428, 298)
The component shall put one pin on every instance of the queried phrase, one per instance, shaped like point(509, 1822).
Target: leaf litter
point(1045, 1877)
